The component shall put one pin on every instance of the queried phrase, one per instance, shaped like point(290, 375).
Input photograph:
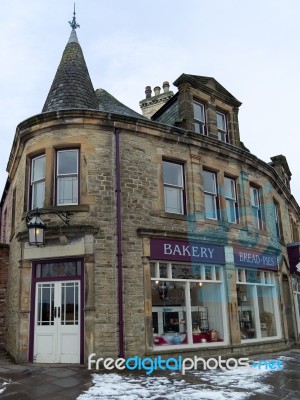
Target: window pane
point(66, 268)
point(246, 299)
point(198, 111)
point(255, 217)
point(277, 223)
point(173, 200)
point(229, 188)
point(168, 313)
point(69, 303)
point(253, 276)
point(231, 211)
point(172, 173)
point(199, 128)
point(221, 121)
point(254, 196)
point(266, 311)
point(185, 271)
point(45, 305)
point(38, 194)
point(209, 182)
point(210, 207)
point(207, 316)
point(38, 168)
point(68, 190)
point(67, 162)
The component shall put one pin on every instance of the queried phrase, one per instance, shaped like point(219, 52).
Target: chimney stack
point(166, 87)
point(156, 91)
point(148, 92)
point(151, 104)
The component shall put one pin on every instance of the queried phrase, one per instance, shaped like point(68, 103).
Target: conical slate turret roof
point(72, 86)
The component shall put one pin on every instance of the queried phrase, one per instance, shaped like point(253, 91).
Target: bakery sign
point(181, 250)
point(245, 257)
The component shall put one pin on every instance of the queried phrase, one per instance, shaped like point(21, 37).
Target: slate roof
point(110, 104)
point(72, 86)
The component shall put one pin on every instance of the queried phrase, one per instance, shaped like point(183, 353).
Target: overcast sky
point(251, 47)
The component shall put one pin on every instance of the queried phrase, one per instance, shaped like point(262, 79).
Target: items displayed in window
point(186, 310)
point(257, 304)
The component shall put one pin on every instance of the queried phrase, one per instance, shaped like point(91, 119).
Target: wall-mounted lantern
point(36, 226)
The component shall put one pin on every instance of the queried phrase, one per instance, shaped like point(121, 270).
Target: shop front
point(188, 294)
point(257, 295)
point(294, 260)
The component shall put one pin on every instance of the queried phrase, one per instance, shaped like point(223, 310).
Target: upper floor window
point(3, 226)
point(222, 127)
point(256, 207)
point(67, 176)
point(37, 182)
point(294, 230)
point(199, 118)
point(173, 187)
point(210, 194)
point(231, 200)
point(277, 219)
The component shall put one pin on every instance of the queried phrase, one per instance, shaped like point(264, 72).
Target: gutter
point(119, 239)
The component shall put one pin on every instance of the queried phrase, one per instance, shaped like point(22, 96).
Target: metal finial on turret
point(73, 23)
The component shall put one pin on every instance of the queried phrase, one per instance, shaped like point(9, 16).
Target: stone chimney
point(156, 90)
point(148, 92)
point(279, 163)
point(166, 87)
point(151, 104)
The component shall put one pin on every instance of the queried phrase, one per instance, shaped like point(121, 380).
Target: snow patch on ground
point(236, 384)
point(3, 388)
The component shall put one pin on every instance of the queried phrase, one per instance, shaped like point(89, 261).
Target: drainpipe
point(119, 238)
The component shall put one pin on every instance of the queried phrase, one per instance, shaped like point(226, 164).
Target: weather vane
point(73, 23)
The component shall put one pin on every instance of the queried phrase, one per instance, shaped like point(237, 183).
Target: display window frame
point(186, 334)
point(259, 314)
point(296, 293)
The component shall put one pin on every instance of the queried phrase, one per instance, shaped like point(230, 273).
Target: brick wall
point(4, 251)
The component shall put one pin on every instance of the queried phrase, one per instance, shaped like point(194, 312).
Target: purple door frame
point(34, 280)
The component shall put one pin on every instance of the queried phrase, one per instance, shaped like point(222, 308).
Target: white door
point(57, 322)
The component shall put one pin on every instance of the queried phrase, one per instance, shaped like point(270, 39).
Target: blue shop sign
point(255, 259)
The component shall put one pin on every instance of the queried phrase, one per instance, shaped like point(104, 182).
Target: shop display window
point(257, 304)
point(188, 304)
point(296, 290)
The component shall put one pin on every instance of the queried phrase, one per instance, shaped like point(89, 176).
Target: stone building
point(177, 240)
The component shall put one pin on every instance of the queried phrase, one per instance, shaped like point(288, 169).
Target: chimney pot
point(166, 87)
point(156, 90)
point(148, 92)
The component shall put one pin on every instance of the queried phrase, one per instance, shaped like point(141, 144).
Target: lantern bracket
point(63, 215)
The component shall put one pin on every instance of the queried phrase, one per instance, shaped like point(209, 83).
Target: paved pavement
point(65, 382)
point(32, 381)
